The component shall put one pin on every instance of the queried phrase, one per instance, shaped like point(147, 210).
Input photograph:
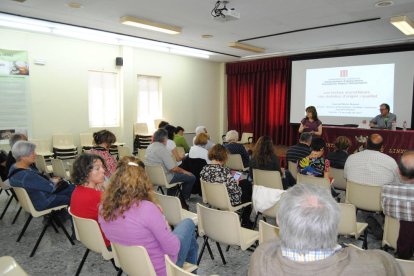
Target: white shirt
point(171, 145)
point(199, 152)
point(371, 167)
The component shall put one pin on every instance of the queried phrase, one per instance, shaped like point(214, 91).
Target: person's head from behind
point(162, 124)
point(161, 136)
point(342, 143)
point(232, 136)
point(374, 142)
point(406, 166)
point(305, 138)
point(308, 218)
point(218, 153)
point(201, 140)
point(200, 129)
point(179, 130)
point(104, 138)
point(129, 185)
point(318, 144)
point(263, 150)
point(170, 131)
point(311, 113)
point(384, 109)
point(88, 170)
point(17, 137)
point(24, 151)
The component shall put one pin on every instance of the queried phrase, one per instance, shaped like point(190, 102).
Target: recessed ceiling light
point(150, 25)
point(383, 4)
point(206, 36)
point(74, 5)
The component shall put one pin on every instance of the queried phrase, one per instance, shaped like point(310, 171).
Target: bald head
point(374, 142)
point(406, 165)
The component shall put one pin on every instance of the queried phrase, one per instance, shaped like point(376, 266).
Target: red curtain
point(258, 98)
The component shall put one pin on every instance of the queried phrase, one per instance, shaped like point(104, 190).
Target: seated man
point(308, 218)
point(385, 119)
point(398, 202)
point(301, 149)
point(370, 166)
point(158, 154)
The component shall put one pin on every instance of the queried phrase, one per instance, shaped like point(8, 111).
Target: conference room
point(77, 67)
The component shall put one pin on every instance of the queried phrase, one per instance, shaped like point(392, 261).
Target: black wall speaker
point(119, 61)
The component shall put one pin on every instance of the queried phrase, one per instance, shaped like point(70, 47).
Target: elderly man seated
point(308, 218)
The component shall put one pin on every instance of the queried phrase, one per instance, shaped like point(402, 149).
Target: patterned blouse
point(217, 173)
point(313, 166)
point(110, 161)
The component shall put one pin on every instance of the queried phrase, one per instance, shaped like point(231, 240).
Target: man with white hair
point(203, 129)
point(308, 218)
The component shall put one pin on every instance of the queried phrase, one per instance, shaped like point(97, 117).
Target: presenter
point(311, 123)
point(385, 119)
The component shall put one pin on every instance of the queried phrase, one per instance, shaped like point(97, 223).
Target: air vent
point(383, 4)
point(20, 1)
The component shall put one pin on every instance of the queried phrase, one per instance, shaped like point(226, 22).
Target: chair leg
point(5, 208)
point(17, 215)
point(221, 253)
point(227, 248)
point(209, 251)
point(57, 220)
point(255, 220)
point(113, 263)
point(119, 272)
point(54, 226)
point(25, 227)
point(161, 190)
point(82, 262)
point(202, 250)
point(40, 238)
point(365, 242)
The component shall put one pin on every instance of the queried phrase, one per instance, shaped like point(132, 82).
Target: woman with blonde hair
point(130, 216)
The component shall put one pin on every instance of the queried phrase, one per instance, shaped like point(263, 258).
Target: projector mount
point(220, 12)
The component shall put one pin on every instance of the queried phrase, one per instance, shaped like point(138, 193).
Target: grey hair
point(232, 135)
point(22, 149)
point(160, 135)
point(305, 137)
point(17, 137)
point(200, 129)
point(308, 217)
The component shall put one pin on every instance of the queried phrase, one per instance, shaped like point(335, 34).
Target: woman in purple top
point(311, 123)
point(130, 216)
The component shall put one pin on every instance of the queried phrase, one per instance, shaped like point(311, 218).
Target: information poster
point(14, 94)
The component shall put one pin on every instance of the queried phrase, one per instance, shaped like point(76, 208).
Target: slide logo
point(343, 73)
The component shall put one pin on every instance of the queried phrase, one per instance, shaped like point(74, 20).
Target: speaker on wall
point(119, 61)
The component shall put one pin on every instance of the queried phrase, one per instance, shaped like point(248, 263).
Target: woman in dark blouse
point(311, 123)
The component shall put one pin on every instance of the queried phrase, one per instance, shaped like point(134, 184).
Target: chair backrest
point(41, 164)
point(86, 139)
point(124, 151)
point(347, 222)
point(235, 162)
point(338, 176)
point(391, 232)
point(309, 179)
point(221, 226)
point(174, 270)
point(267, 232)
point(9, 267)
point(134, 260)
point(3, 185)
point(171, 207)
point(270, 179)
point(292, 167)
point(156, 175)
point(141, 128)
point(62, 140)
point(25, 201)
point(90, 235)
point(59, 168)
point(246, 137)
point(42, 146)
point(364, 197)
point(216, 195)
point(141, 154)
point(180, 151)
point(406, 266)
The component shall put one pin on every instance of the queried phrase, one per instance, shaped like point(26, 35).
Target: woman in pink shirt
point(130, 215)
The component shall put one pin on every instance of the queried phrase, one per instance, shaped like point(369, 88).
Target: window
point(104, 99)
point(149, 100)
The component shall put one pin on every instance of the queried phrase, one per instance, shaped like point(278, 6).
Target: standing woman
point(311, 123)
point(130, 216)
point(103, 140)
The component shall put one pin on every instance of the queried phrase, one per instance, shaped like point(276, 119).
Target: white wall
point(193, 89)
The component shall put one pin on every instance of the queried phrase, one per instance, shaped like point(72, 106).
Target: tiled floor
point(56, 256)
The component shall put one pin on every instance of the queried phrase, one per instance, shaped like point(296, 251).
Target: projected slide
point(353, 91)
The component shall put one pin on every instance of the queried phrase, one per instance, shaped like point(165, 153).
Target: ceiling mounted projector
point(221, 13)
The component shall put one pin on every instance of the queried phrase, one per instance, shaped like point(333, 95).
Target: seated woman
point(43, 193)
point(338, 157)
point(199, 150)
point(315, 164)
point(239, 191)
point(171, 144)
point(130, 216)
point(88, 175)
point(180, 140)
point(103, 140)
point(233, 147)
point(264, 157)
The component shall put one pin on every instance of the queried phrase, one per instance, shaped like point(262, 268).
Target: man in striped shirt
point(398, 202)
point(301, 149)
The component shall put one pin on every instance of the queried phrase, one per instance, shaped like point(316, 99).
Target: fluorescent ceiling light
point(149, 25)
point(246, 47)
point(404, 24)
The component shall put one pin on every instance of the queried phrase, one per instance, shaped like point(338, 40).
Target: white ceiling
point(258, 18)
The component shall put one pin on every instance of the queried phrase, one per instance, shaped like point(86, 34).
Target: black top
point(297, 152)
point(337, 158)
point(235, 148)
point(273, 165)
